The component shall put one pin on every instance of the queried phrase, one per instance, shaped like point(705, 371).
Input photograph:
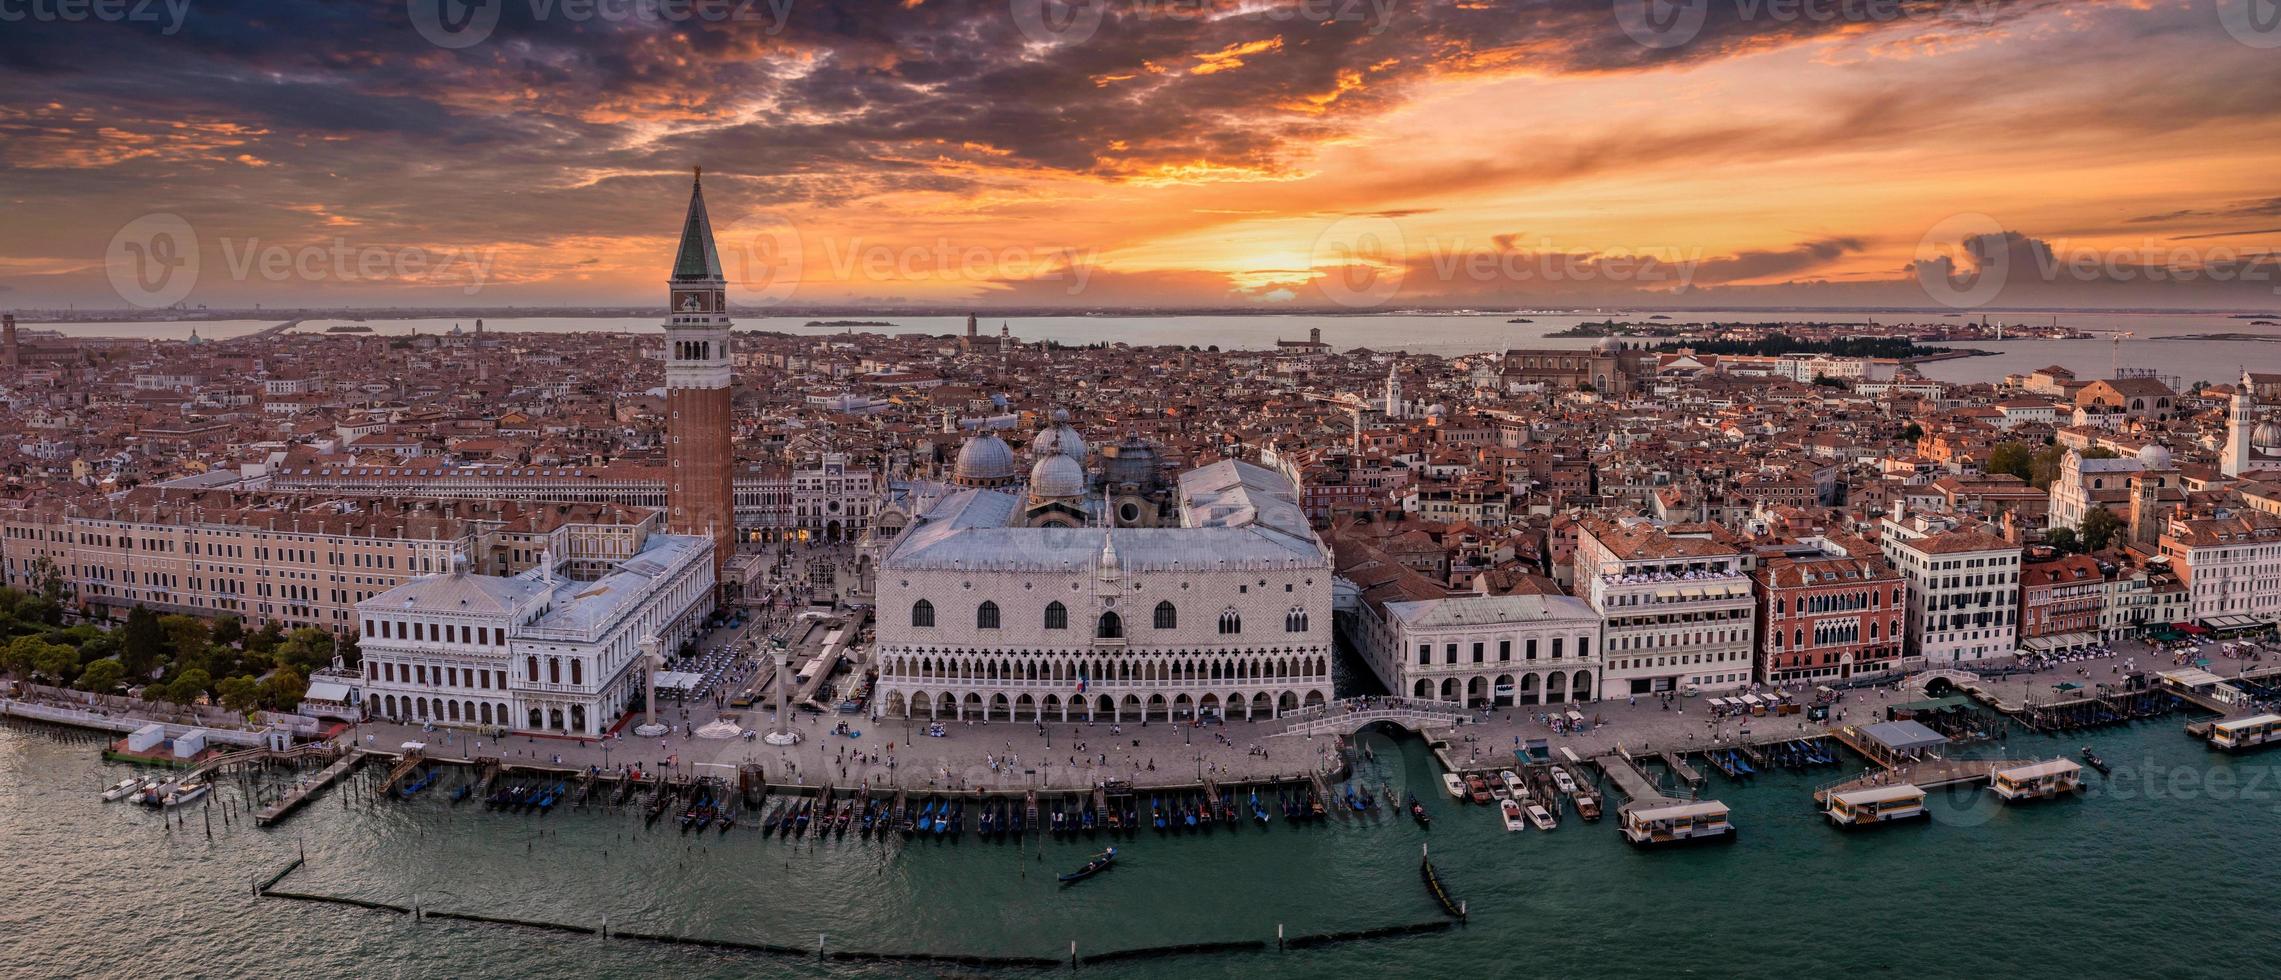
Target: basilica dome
point(2267, 435)
point(1057, 476)
point(1058, 438)
point(984, 460)
point(2154, 457)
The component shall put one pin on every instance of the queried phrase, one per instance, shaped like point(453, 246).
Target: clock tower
point(699, 456)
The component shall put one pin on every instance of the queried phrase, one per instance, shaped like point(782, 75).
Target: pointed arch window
point(1112, 626)
point(1231, 623)
point(1056, 616)
point(923, 613)
point(986, 616)
point(1166, 616)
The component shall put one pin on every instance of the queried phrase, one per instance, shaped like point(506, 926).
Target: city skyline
point(1334, 156)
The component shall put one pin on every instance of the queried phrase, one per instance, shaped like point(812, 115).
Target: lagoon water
point(2160, 870)
point(2214, 361)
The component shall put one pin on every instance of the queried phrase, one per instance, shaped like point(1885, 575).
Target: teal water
point(2161, 869)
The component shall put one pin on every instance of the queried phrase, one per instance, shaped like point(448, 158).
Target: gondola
point(1258, 812)
point(774, 819)
point(2092, 759)
point(1099, 864)
point(1418, 812)
point(459, 796)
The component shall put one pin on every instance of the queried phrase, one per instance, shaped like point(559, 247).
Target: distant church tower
point(1394, 390)
point(697, 375)
point(967, 343)
point(2241, 422)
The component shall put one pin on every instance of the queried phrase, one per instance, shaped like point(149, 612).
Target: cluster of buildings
point(509, 523)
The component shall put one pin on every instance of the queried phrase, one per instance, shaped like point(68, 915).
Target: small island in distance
point(849, 323)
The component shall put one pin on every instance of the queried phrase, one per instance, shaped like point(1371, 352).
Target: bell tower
point(699, 499)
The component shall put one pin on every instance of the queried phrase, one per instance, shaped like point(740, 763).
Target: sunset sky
point(1165, 153)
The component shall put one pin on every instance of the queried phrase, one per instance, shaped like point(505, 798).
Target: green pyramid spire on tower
point(697, 259)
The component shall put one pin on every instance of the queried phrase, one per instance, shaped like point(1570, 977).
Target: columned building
point(1485, 651)
point(1050, 602)
point(542, 651)
point(699, 498)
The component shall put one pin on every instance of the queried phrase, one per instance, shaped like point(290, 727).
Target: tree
point(2064, 539)
point(229, 631)
point(1831, 381)
point(2014, 459)
point(1912, 432)
point(102, 676)
point(187, 687)
point(57, 662)
point(240, 693)
point(187, 635)
point(308, 649)
point(284, 689)
point(142, 643)
point(2100, 528)
point(22, 655)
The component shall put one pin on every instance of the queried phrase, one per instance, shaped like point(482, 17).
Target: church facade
point(1609, 368)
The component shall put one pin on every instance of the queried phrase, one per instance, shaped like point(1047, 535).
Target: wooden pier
point(1681, 769)
point(1636, 787)
point(292, 800)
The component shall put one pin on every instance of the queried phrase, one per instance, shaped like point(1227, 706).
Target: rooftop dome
point(1057, 475)
point(2154, 457)
point(1132, 461)
point(985, 459)
point(2267, 435)
point(1060, 437)
point(1608, 345)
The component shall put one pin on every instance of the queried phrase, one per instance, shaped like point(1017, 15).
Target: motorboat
point(1512, 815)
point(1454, 785)
point(1513, 785)
point(122, 788)
point(1563, 780)
point(1478, 789)
point(187, 793)
point(1588, 806)
point(1541, 817)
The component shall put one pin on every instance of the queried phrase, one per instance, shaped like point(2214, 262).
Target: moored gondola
point(2092, 759)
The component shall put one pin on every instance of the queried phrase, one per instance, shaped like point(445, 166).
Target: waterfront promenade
point(1015, 755)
